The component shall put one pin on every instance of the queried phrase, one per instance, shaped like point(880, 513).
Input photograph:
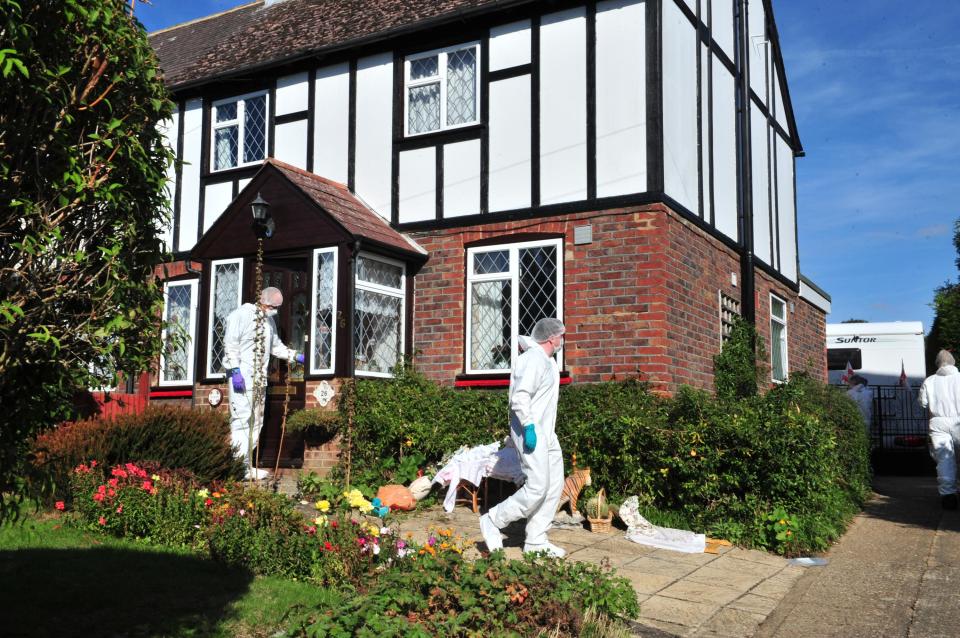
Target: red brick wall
point(643, 297)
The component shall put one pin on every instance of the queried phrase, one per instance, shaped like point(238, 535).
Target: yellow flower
point(783, 521)
point(693, 452)
point(789, 533)
point(323, 506)
point(408, 442)
point(155, 477)
point(374, 530)
point(664, 470)
point(203, 493)
point(320, 521)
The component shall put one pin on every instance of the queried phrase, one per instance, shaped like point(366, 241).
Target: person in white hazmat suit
point(863, 397)
point(240, 335)
point(940, 393)
point(534, 390)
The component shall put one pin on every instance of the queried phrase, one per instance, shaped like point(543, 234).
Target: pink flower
point(120, 509)
point(208, 502)
point(98, 497)
point(60, 505)
point(147, 486)
point(102, 521)
point(401, 544)
point(334, 524)
point(327, 546)
point(114, 482)
point(102, 489)
point(118, 472)
point(361, 541)
point(431, 541)
point(93, 464)
point(111, 492)
point(311, 530)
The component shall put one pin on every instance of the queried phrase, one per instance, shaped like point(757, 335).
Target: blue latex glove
point(529, 438)
point(299, 357)
point(239, 385)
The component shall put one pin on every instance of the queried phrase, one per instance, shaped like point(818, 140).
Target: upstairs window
point(509, 288)
point(239, 131)
point(778, 339)
point(442, 89)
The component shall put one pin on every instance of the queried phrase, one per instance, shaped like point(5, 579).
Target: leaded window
point(509, 288)
point(442, 89)
point(778, 338)
point(225, 289)
point(239, 131)
point(179, 329)
point(324, 311)
point(379, 296)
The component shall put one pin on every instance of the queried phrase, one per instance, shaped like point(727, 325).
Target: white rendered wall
point(680, 177)
point(705, 142)
point(621, 98)
point(759, 49)
point(290, 143)
point(190, 176)
point(724, 152)
point(418, 185)
point(292, 94)
point(760, 178)
point(331, 122)
point(461, 178)
point(374, 131)
point(170, 129)
point(786, 210)
point(563, 107)
point(722, 27)
point(509, 45)
point(216, 198)
point(509, 165)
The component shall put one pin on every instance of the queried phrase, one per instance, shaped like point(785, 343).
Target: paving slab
point(680, 594)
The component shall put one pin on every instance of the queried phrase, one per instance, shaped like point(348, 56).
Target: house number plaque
point(323, 393)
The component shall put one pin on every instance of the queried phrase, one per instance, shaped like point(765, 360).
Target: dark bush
point(194, 440)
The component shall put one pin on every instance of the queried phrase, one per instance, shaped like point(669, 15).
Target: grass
point(56, 580)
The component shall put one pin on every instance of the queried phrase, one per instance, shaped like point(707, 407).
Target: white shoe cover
point(551, 550)
point(491, 533)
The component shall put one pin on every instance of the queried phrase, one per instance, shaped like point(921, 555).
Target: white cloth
point(476, 463)
point(863, 397)
point(240, 334)
point(534, 391)
point(940, 393)
point(640, 530)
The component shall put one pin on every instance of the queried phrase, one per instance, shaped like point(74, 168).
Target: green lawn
point(59, 581)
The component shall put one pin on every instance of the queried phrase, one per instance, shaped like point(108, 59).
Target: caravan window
point(837, 358)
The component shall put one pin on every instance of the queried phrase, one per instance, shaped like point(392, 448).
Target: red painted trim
point(168, 394)
point(496, 383)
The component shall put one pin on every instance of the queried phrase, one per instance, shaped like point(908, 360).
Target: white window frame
point(194, 285)
point(400, 293)
point(241, 101)
point(441, 77)
point(783, 339)
point(512, 274)
point(213, 374)
point(313, 311)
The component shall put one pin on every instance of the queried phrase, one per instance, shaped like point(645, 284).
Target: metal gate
point(898, 433)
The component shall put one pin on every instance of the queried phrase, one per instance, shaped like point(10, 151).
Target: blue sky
point(875, 86)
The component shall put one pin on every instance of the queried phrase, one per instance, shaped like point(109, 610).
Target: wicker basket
point(598, 524)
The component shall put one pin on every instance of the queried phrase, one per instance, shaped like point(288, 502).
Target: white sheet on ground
point(476, 463)
point(640, 530)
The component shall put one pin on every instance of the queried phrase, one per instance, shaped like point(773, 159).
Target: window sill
point(496, 380)
point(167, 393)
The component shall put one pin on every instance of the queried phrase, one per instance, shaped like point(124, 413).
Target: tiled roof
point(351, 213)
point(256, 34)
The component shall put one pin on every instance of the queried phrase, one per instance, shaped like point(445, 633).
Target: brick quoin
point(641, 299)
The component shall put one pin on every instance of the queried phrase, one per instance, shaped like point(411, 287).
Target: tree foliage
point(945, 331)
point(82, 191)
point(739, 371)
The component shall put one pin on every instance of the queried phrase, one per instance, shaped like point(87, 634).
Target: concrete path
point(727, 594)
point(896, 572)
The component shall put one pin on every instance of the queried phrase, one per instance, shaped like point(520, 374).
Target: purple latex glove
point(239, 385)
point(299, 357)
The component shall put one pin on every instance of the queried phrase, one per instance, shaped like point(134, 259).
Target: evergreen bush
point(193, 440)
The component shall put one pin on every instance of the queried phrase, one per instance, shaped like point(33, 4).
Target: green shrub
point(449, 596)
point(141, 502)
point(194, 440)
point(411, 415)
point(738, 370)
point(318, 422)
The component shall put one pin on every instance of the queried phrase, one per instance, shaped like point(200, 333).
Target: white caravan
point(877, 351)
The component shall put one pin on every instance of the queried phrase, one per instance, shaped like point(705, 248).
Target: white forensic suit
point(534, 391)
point(940, 393)
point(240, 335)
point(863, 397)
